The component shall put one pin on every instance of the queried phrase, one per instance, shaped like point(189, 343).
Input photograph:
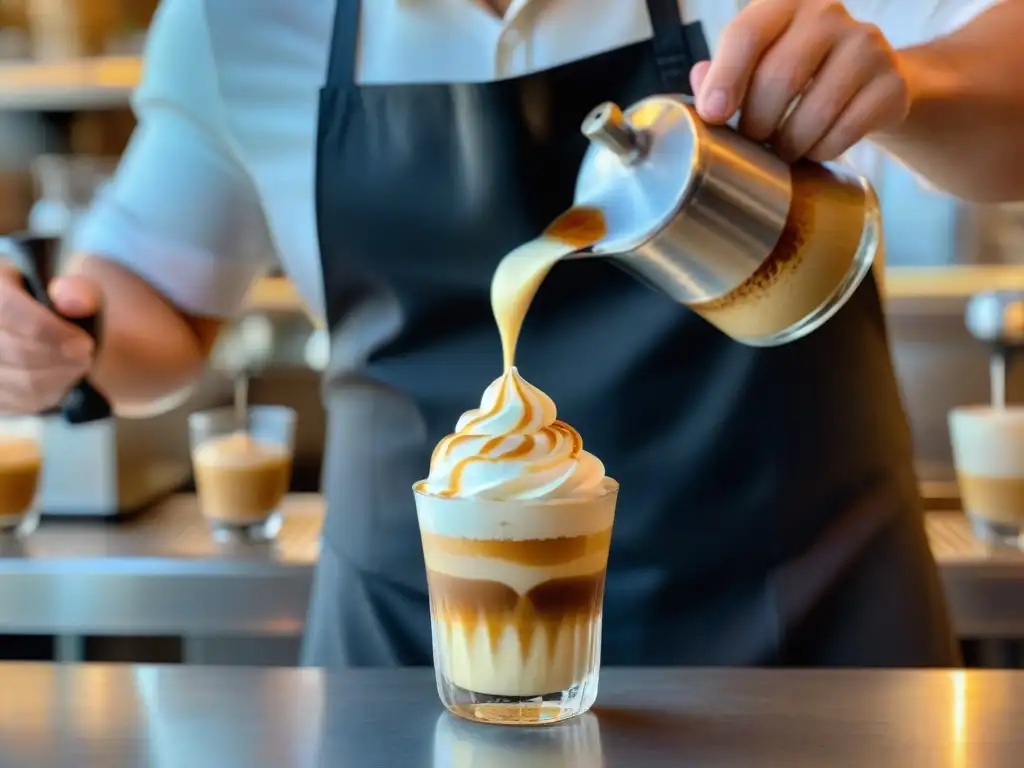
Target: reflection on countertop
point(84, 716)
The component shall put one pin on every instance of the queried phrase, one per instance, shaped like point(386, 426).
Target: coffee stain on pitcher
point(815, 252)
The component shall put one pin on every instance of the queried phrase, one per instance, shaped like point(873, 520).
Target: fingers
point(20, 352)
point(698, 74)
point(740, 48)
point(785, 72)
point(883, 102)
point(23, 317)
point(34, 377)
point(41, 355)
point(852, 66)
point(808, 77)
point(75, 296)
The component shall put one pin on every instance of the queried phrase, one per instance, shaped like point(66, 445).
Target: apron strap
point(676, 47)
point(341, 69)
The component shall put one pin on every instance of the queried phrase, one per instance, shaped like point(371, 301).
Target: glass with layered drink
point(516, 521)
point(988, 452)
point(243, 466)
point(21, 464)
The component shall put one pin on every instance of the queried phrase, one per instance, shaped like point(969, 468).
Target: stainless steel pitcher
point(764, 250)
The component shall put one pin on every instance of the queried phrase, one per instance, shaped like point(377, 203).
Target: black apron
point(768, 511)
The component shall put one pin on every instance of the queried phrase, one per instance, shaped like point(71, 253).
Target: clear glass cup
point(988, 453)
point(516, 597)
point(242, 467)
point(21, 465)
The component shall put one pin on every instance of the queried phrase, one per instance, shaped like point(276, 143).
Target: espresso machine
point(996, 319)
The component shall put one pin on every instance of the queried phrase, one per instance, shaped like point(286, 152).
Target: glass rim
point(1009, 411)
point(208, 414)
point(610, 491)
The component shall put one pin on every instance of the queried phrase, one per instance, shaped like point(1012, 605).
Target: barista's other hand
point(41, 355)
point(844, 73)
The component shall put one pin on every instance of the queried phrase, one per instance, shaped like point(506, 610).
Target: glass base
point(227, 532)
point(19, 525)
point(997, 534)
point(542, 709)
point(572, 744)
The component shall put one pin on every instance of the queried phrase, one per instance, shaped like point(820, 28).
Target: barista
point(768, 512)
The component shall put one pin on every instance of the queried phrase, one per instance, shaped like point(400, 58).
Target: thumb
point(75, 296)
point(698, 74)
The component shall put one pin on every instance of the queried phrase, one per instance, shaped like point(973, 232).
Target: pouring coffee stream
point(521, 272)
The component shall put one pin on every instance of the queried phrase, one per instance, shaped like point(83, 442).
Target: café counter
point(162, 574)
point(100, 716)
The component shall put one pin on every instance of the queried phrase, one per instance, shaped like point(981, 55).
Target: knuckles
point(868, 37)
point(28, 384)
point(898, 92)
point(744, 39)
point(829, 15)
point(29, 392)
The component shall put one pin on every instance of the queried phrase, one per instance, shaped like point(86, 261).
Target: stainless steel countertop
point(162, 573)
point(159, 573)
point(182, 717)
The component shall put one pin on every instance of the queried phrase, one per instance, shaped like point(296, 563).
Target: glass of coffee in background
point(516, 596)
point(21, 463)
point(242, 467)
point(988, 451)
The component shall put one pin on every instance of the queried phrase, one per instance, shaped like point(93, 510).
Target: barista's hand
point(844, 73)
point(41, 355)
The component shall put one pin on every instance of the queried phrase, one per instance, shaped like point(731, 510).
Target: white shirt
point(219, 175)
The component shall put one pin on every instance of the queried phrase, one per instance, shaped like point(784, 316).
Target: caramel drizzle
point(527, 443)
point(499, 403)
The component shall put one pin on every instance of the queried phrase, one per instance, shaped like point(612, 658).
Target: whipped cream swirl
point(513, 447)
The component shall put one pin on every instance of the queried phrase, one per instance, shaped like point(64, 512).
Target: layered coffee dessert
point(813, 260)
point(21, 461)
point(516, 520)
point(240, 479)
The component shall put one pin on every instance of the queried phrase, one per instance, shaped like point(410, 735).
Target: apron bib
point(768, 507)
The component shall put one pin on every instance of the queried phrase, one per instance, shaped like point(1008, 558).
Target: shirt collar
point(515, 7)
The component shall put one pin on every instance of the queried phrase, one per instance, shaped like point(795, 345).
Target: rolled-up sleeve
point(180, 211)
point(947, 16)
point(913, 22)
point(908, 23)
